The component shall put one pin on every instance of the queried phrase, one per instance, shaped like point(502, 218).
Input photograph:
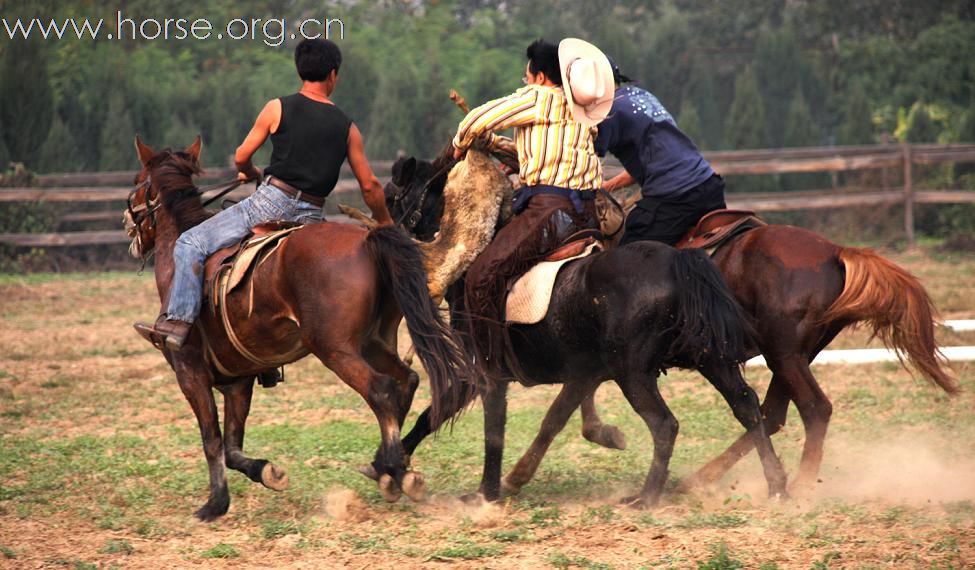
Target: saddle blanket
point(529, 296)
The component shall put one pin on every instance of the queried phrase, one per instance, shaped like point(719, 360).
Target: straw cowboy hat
point(587, 78)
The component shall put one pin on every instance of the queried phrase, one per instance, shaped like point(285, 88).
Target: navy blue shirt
point(644, 137)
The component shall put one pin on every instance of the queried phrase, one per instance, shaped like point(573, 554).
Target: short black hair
point(544, 57)
point(316, 58)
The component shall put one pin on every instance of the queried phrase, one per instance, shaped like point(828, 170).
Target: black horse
point(625, 314)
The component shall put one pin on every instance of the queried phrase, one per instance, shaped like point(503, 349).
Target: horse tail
point(898, 309)
point(709, 323)
point(400, 263)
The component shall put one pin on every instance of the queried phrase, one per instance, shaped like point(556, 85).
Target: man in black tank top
point(310, 139)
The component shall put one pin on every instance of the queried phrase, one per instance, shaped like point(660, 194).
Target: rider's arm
point(621, 180)
point(372, 190)
point(515, 110)
point(267, 120)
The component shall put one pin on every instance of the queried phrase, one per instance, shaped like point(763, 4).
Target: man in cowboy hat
point(678, 184)
point(568, 90)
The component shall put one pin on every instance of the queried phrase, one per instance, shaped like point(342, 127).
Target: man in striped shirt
point(561, 173)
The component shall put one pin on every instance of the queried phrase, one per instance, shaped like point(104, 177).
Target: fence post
point(908, 194)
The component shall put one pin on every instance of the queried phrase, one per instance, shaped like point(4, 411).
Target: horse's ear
point(195, 148)
point(144, 151)
point(403, 171)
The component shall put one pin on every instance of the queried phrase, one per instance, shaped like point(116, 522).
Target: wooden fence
point(113, 187)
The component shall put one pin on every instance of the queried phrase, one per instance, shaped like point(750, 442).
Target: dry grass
point(100, 464)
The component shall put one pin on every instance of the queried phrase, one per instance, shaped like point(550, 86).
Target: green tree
point(689, 121)
point(116, 137)
point(746, 129)
point(920, 128)
point(746, 126)
point(60, 151)
point(800, 129)
point(779, 65)
point(26, 100)
point(702, 95)
point(857, 125)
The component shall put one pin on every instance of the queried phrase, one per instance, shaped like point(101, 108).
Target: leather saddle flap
point(717, 227)
point(529, 296)
point(228, 267)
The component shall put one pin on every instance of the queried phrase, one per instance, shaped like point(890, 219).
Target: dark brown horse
point(799, 291)
point(332, 290)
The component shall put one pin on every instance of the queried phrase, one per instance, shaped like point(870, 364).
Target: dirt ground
point(101, 467)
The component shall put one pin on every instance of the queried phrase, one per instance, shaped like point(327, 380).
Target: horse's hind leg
point(195, 382)
point(236, 405)
point(775, 407)
point(644, 396)
point(555, 419)
point(593, 428)
point(381, 393)
point(744, 404)
point(385, 360)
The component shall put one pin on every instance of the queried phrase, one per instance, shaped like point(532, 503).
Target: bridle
point(411, 216)
point(140, 219)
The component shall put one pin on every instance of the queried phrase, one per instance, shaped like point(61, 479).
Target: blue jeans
point(223, 229)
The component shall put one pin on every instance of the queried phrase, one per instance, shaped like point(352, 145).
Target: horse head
point(414, 196)
point(163, 174)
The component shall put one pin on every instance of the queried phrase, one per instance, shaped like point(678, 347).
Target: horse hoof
point(369, 471)
point(637, 502)
point(414, 486)
point(210, 512)
point(274, 477)
point(388, 488)
point(609, 437)
point(473, 499)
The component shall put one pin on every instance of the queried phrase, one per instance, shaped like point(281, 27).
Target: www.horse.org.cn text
point(271, 31)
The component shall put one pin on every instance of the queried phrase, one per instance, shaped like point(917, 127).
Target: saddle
point(228, 268)
point(529, 295)
point(715, 228)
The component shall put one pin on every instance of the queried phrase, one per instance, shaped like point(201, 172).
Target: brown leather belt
point(294, 192)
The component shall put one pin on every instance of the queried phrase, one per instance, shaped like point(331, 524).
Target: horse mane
point(173, 178)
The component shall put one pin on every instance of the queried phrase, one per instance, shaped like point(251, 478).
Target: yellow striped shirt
point(553, 148)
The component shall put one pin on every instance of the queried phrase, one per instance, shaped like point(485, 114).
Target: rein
point(412, 215)
point(618, 206)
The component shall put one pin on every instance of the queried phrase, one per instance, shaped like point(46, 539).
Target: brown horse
point(799, 291)
point(332, 290)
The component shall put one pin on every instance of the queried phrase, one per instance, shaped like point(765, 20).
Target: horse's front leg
point(495, 399)
point(237, 405)
point(196, 382)
point(555, 419)
point(593, 428)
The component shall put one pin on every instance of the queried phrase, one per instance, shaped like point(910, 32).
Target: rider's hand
point(458, 153)
point(386, 221)
point(253, 174)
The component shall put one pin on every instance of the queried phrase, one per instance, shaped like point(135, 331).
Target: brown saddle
point(719, 226)
point(574, 245)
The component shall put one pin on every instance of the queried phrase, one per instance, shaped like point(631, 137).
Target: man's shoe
point(170, 332)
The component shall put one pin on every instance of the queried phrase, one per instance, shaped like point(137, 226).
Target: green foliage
point(746, 126)
point(800, 130)
point(117, 546)
point(26, 100)
point(778, 66)
point(221, 550)
point(919, 126)
point(690, 121)
point(115, 143)
point(721, 560)
point(857, 125)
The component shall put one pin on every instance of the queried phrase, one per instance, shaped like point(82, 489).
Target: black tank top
point(310, 145)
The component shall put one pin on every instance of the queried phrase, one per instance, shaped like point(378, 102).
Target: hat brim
point(571, 49)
